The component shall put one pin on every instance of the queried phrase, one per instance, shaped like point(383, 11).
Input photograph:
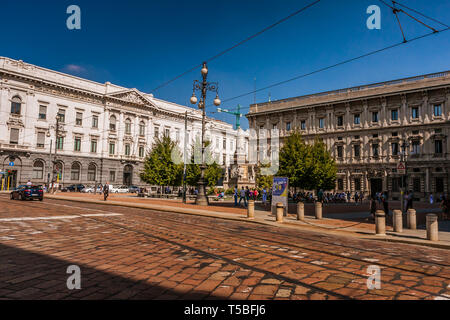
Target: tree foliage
point(263, 181)
point(213, 171)
point(308, 166)
point(159, 167)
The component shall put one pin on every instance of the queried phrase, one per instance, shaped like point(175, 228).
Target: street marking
point(59, 217)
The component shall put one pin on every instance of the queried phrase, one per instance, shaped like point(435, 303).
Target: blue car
point(24, 192)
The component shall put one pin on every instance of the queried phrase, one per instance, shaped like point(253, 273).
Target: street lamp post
point(49, 162)
point(203, 86)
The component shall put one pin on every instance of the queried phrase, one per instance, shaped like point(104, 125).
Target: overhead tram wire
point(430, 18)
point(238, 44)
point(332, 66)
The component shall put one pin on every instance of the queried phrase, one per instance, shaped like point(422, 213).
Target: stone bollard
point(318, 210)
point(380, 223)
point(432, 227)
point(397, 221)
point(411, 219)
point(280, 212)
point(300, 211)
point(251, 209)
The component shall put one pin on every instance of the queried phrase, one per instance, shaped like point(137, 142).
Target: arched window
point(128, 126)
point(112, 123)
point(38, 170)
point(142, 128)
point(16, 104)
point(92, 172)
point(75, 171)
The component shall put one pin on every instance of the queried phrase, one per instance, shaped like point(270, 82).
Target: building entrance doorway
point(376, 185)
point(128, 175)
point(9, 180)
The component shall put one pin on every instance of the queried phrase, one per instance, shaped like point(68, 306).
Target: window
point(394, 114)
point(95, 122)
point(112, 148)
point(92, 172)
point(340, 121)
point(395, 134)
point(396, 183)
point(217, 143)
point(77, 144)
point(224, 144)
point(156, 132)
point(42, 112)
point(128, 126)
point(357, 184)
point(274, 127)
point(439, 184)
point(112, 123)
point(288, 126)
point(437, 110)
point(340, 184)
point(416, 184)
point(415, 112)
point(93, 146)
point(357, 149)
point(142, 128)
point(375, 150)
point(61, 115)
point(415, 147)
point(303, 125)
point(141, 152)
point(339, 151)
point(167, 132)
point(321, 123)
point(38, 170)
point(79, 119)
point(75, 171)
point(394, 147)
point(357, 119)
point(438, 146)
point(60, 143)
point(14, 136)
point(40, 139)
point(16, 104)
point(112, 176)
point(127, 149)
point(375, 116)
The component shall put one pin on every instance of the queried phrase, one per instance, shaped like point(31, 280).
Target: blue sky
point(142, 44)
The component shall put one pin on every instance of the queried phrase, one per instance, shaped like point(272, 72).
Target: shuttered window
point(40, 139)
point(14, 137)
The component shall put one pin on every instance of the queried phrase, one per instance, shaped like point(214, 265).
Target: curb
point(286, 224)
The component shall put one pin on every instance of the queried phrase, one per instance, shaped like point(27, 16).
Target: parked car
point(121, 189)
point(75, 187)
point(133, 189)
point(24, 192)
point(91, 189)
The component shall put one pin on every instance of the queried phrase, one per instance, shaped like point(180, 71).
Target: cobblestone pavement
point(128, 253)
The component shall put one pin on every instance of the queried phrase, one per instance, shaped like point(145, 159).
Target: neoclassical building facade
point(104, 130)
point(368, 128)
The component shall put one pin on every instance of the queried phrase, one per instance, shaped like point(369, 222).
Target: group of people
point(247, 194)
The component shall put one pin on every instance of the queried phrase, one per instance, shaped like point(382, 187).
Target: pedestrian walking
point(431, 199)
point(373, 206)
point(235, 196)
point(264, 196)
point(242, 197)
point(385, 203)
point(106, 191)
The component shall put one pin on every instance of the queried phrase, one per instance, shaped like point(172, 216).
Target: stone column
point(411, 219)
point(398, 221)
point(280, 212)
point(432, 227)
point(318, 210)
point(300, 211)
point(251, 209)
point(380, 223)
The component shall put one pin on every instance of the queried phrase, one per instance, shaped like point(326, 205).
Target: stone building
point(104, 134)
point(367, 128)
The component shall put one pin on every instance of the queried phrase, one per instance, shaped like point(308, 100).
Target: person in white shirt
point(29, 183)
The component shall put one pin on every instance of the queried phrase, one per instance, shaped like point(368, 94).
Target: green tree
point(263, 181)
point(309, 167)
point(159, 165)
point(213, 171)
point(324, 168)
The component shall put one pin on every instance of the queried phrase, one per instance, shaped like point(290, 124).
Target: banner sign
point(280, 190)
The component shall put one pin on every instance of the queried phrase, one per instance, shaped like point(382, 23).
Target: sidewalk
point(354, 224)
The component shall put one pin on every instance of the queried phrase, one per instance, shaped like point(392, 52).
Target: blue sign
point(279, 187)
point(11, 164)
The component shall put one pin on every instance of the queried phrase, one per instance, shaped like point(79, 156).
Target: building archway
point(128, 175)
